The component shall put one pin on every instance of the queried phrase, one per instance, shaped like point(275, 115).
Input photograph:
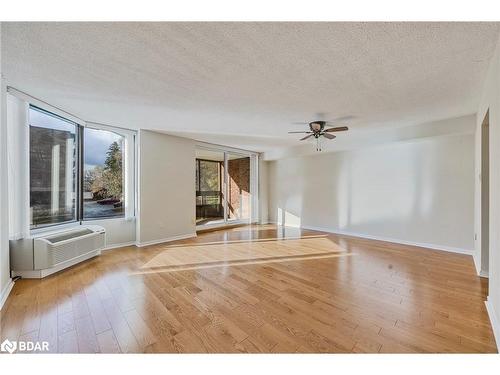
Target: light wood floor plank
point(258, 289)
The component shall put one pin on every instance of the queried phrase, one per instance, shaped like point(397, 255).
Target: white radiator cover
point(55, 249)
point(46, 253)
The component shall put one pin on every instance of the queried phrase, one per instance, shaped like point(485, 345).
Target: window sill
point(127, 219)
point(54, 227)
point(74, 224)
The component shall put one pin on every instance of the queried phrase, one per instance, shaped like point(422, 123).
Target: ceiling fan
point(317, 130)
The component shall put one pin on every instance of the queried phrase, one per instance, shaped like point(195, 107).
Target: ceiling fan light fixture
point(316, 126)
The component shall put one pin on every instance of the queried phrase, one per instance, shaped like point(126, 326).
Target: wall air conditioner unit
point(46, 253)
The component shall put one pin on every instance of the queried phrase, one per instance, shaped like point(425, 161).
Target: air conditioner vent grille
point(69, 235)
point(61, 253)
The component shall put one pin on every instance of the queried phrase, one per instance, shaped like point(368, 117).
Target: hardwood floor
point(258, 289)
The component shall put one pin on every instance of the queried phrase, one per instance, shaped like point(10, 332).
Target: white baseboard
point(4, 294)
point(124, 244)
point(484, 274)
point(394, 240)
point(168, 239)
point(386, 239)
point(495, 323)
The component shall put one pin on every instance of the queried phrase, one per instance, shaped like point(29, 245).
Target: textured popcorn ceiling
point(242, 84)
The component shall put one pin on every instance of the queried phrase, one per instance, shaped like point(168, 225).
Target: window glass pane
point(103, 187)
point(239, 198)
point(52, 169)
point(209, 186)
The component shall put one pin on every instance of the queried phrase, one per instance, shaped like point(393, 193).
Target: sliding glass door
point(210, 200)
point(224, 187)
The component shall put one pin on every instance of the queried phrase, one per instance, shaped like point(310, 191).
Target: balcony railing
point(209, 204)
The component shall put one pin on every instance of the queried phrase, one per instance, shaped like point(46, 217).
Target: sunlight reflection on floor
point(242, 263)
point(209, 255)
point(229, 242)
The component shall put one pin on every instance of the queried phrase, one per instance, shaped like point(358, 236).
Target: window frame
point(129, 171)
point(63, 117)
point(220, 183)
point(129, 165)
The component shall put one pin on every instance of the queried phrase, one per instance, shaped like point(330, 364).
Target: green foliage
point(113, 160)
point(209, 175)
point(113, 171)
point(107, 182)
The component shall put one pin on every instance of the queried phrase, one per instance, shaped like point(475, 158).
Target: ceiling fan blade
point(337, 129)
point(307, 136)
point(329, 136)
point(299, 132)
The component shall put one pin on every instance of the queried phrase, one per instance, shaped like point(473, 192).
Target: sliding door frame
point(254, 184)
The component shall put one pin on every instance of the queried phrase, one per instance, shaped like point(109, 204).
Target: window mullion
point(80, 171)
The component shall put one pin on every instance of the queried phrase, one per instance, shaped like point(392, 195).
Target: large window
point(76, 173)
point(103, 184)
point(53, 166)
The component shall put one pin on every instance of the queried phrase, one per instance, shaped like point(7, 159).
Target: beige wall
point(418, 192)
point(490, 100)
point(166, 187)
point(118, 231)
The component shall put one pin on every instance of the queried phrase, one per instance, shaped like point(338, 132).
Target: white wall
point(119, 232)
point(4, 217)
point(167, 208)
point(419, 192)
point(490, 100)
